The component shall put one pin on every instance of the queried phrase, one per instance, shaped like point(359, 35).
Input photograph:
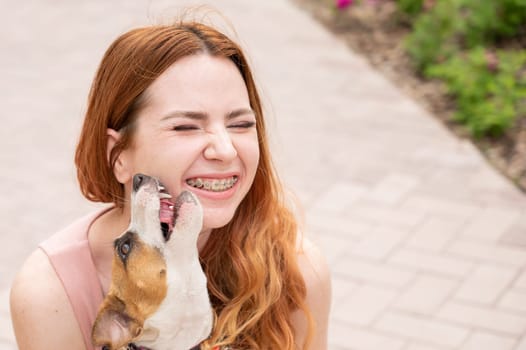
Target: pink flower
point(341, 4)
point(492, 61)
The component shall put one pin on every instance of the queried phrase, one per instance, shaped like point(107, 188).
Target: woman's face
point(197, 132)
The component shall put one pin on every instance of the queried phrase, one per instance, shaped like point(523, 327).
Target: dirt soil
point(375, 30)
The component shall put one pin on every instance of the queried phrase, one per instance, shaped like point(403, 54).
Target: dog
point(158, 297)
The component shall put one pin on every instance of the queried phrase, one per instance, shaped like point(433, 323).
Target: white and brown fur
point(157, 297)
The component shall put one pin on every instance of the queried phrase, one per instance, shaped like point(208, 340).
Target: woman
point(179, 102)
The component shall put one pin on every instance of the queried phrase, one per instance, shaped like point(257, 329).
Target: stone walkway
point(426, 241)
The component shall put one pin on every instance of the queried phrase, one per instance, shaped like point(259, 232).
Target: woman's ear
point(121, 167)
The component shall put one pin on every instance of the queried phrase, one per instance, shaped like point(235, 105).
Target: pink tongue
point(166, 214)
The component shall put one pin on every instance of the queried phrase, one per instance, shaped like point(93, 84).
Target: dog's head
point(139, 284)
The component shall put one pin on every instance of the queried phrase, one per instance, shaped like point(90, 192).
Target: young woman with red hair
point(179, 102)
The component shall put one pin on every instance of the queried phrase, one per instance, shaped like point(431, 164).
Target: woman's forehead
point(198, 83)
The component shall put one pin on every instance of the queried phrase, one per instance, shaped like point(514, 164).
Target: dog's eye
point(105, 347)
point(124, 248)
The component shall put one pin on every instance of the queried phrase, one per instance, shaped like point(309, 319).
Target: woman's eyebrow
point(197, 115)
point(186, 114)
point(239, 112)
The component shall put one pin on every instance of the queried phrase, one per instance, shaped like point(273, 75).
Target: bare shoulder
point(41, 314)
point(313, 265)
point(317, 276)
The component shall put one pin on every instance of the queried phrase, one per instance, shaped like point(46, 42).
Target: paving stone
point(425, 347)
point(521, 281)
point(426, 294)
point(483, 317)
point(450, 155)
point(440, 208)
point(342, 290)
point(522, 344)
point(353, 338)
point(434, 234)
point(372, 273)
point(491, 223)
point(4, 300)
point(513, 300)
point(393, 188)
point(334, 247)
point(435, 263)
point(379, 243)
point(487, 178)
point(482, 340)
point(343, 225)
point(515, 237)
point(338, 198)
point(6, 329)
point(422, 329)
point(488, 252)
point(485, 284)
point(363, 306)
point(7, 345)
point(448, 184)
point(386, 216)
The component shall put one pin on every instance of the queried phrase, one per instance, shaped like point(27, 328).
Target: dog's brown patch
point(137, 289)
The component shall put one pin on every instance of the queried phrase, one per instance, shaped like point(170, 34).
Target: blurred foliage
point(488, 98)
point(463, 42)
point(410, 7)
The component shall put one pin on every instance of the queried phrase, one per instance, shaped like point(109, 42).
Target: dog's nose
point(137, 181)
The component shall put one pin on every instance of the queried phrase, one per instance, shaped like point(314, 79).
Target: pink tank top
point(70, 255)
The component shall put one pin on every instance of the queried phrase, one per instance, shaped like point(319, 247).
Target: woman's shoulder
point(313, 264)
point(317, 277)
point(35, 282)
point(41, 314)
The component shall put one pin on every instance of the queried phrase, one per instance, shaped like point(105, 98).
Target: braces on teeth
point(213, 185)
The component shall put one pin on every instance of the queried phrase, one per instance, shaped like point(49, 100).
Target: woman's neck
point(203, 238)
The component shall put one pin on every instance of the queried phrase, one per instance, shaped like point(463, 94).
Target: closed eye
point(243, 125)
point(185, 127)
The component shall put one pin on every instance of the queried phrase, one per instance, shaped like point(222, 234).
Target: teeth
point(213, 185)
point(164, 195)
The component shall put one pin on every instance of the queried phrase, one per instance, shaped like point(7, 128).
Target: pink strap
point(70, 255)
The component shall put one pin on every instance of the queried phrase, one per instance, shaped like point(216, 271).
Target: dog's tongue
point(166, 213)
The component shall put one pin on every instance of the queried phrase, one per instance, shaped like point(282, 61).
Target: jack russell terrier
point(157, 297)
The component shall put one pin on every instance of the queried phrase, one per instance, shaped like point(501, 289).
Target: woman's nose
point(220, 146)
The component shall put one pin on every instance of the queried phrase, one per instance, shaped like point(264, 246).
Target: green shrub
point(432, 38)
point(454, 25)
point(489, 98)
point(410, 7)
point(485, 22)
point(450, 41)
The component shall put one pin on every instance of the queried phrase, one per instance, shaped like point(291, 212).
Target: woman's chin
point(216, 218)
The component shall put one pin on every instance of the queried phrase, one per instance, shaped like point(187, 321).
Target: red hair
point(253, 277)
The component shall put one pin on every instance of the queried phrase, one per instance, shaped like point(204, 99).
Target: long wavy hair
point(254, 280)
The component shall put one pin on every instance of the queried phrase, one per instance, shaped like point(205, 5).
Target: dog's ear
point(113, 327)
